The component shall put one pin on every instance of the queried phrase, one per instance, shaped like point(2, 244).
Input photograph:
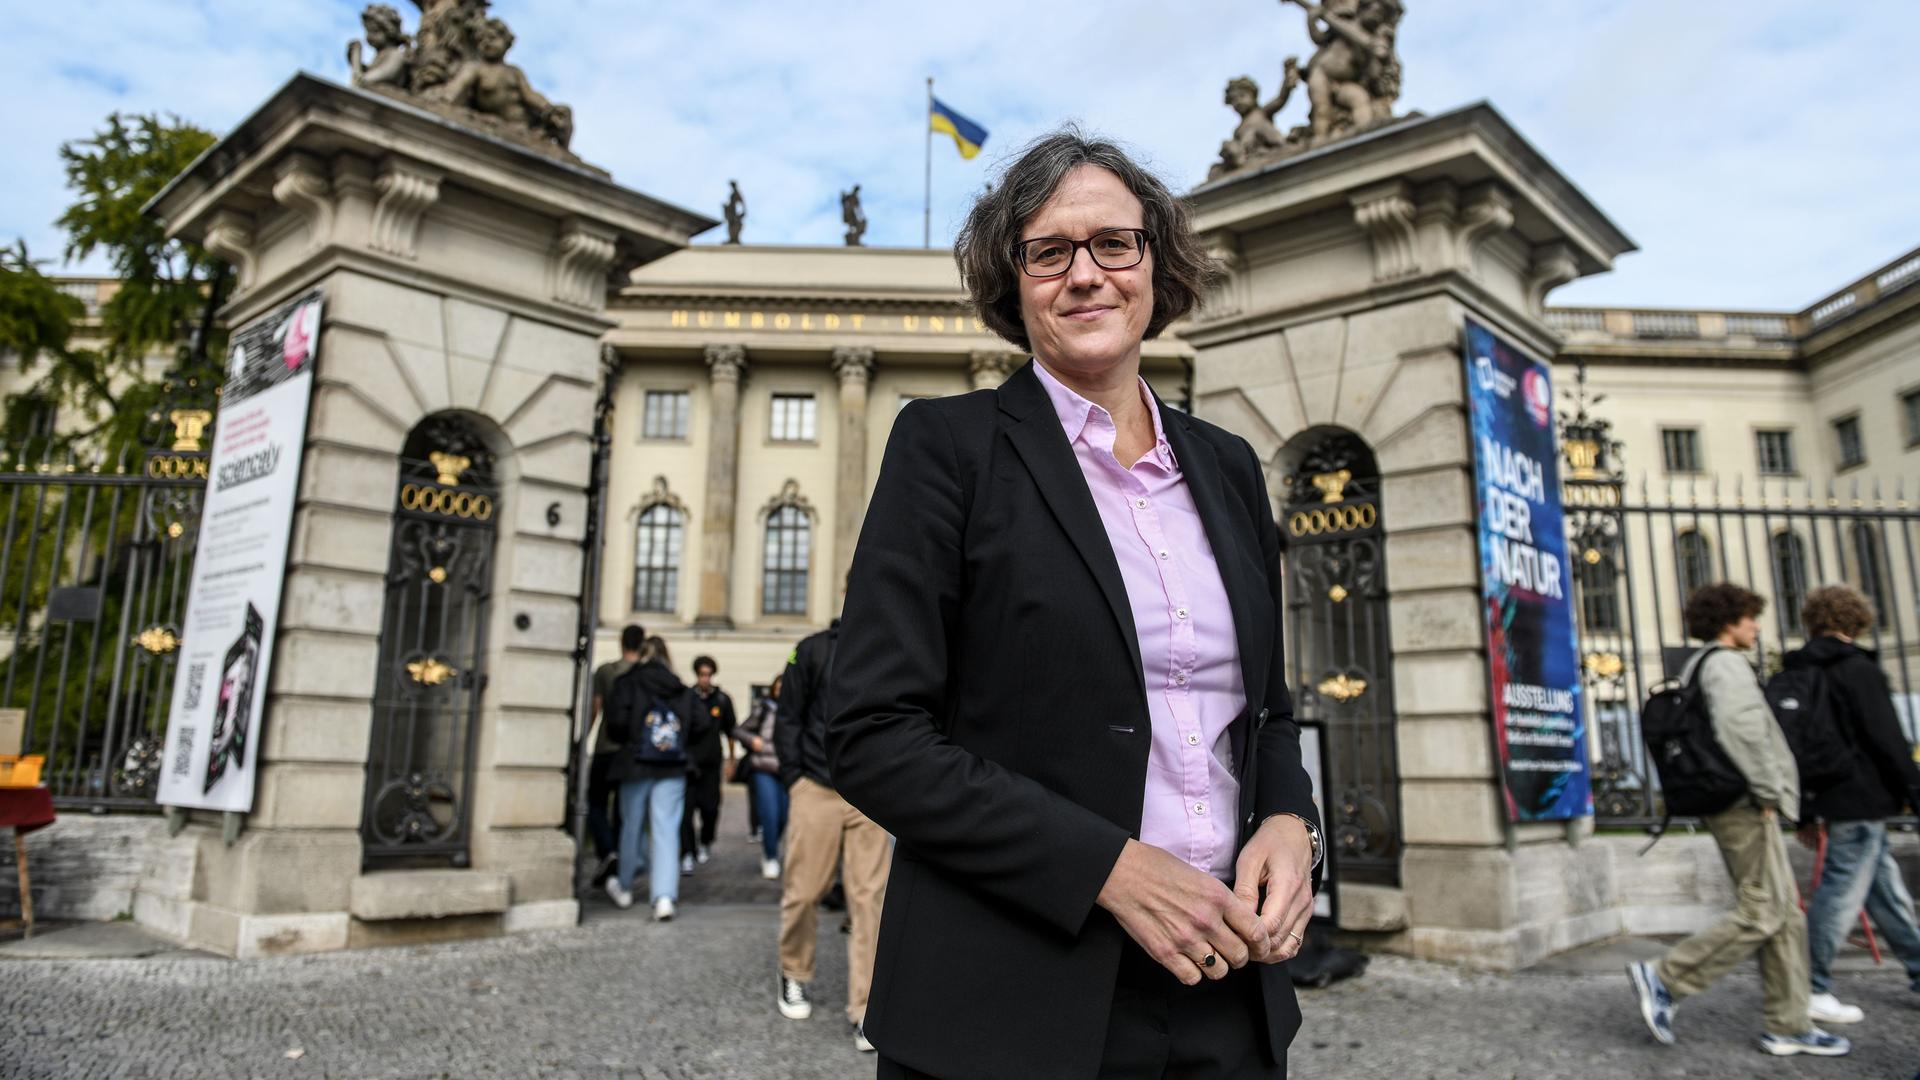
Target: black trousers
point(1158, 1029)
point(703, 795)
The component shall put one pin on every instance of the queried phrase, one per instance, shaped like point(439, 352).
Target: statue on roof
point(853, 215)
point(455, 65)
point(735, 209)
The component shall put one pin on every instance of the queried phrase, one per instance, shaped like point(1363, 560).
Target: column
point(726, 367)
point(853, 364)
point(990, 367)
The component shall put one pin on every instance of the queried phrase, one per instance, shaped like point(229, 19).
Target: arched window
point(1789, 577)
point(1873, 571)
point(788, 554)
point(656, 558)
point(1599, 591)
point(1693, 561)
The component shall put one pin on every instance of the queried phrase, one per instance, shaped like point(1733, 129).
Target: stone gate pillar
point(1351, 270)
point(465, 272)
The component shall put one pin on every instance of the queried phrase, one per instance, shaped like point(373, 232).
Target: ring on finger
point(1208, 960)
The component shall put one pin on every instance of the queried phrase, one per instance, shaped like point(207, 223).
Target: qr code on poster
point(183, 753)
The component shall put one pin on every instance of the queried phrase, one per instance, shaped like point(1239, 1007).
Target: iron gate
point(1338, 645)
point(95, 560)
point(433, 644)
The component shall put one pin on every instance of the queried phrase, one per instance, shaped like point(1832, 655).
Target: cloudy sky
point(1761, 152)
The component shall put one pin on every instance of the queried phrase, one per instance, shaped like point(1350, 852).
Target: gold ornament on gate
point(1606, 665)
point(1337, 593)
point(449, 466)
point(1333, 485)
point(437, 575)
point(189, 427)
point(431, 671)
point(157, 640)
point(1342, 688)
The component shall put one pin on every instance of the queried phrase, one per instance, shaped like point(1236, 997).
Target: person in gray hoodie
point(1766, 916)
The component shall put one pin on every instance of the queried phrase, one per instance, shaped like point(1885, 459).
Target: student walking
point(823, 831)
point(646, 712)
point(600, 785)
point(1859, 869)
point(769, 797)
point(1767, 916)
point(706, 761)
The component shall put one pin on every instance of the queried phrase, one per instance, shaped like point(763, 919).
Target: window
point(1910, 404)
point(1775, 449)
point(665, 415)
point(656, 558)
point(1680, 449)
point(1693, 561)
point(789, 545)
point(1846, 435)
point(1873, 576)
point(1599, 592)
point(793, 418)
point(1789, 578)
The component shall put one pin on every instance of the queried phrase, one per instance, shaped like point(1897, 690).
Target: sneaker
point(686, 863)
point(860, 1042)
point(753, 836)
point(705, 855)
point(607, 865)
point(1830, 1010)
point(1811, 1041)
point(1656, 1005)
point(663, 909)
point(793, 999)
point(622, 898)
point(770, 869)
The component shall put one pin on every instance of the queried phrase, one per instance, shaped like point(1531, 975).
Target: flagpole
point(926, 220)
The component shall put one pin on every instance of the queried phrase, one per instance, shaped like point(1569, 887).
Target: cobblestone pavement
point(622, 996)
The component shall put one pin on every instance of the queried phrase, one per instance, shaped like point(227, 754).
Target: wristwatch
point(1313, 834)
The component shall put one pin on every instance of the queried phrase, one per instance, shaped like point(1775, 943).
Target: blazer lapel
point(1227, 532)
point(1043, 447)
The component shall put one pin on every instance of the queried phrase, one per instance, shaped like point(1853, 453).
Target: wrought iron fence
point(95, 558)
point(1640, 549)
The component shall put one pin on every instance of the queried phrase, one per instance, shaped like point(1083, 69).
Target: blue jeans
point(1860, 870)
point(661, 801)
point(770, 799)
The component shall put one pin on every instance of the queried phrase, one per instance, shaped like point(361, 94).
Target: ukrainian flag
point(967, 135)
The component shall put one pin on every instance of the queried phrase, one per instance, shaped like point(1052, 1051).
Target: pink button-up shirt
point(1188, 652)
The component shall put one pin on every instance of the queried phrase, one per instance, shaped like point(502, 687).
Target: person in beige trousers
point(824, 832)
point(1766, 917)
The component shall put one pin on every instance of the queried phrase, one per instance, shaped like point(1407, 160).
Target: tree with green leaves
point(167, 299)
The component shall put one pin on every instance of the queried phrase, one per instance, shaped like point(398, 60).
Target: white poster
point(240, 563)
point(1315, 764)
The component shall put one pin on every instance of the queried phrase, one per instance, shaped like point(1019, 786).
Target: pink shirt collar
point(1076, 412)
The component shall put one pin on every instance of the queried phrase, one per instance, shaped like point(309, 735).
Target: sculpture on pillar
point(855, 217)
point(735, 209)
point(456, 65)
point(1352, 80)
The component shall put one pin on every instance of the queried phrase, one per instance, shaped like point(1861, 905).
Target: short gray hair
point(985, 248)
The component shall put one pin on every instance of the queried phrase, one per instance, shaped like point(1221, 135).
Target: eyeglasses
point(1051, 256)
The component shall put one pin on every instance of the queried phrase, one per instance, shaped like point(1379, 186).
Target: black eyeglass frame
point(1074, 247)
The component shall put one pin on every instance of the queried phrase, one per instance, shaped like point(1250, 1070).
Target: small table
point(25, 809)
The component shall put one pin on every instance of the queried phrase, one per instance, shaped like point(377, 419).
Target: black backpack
point(1802, 701)
point(1696, 775)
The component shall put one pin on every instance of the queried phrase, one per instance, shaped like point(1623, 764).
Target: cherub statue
point(1256, 136)
point(391, 49)
point(1354, 76)
point(488, 84)
point(855, 217)
point(735, 209)
point(448, 35)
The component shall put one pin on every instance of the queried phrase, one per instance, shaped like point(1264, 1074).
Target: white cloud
point(1756, 149)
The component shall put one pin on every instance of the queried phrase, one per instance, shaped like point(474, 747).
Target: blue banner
point(1526, 584)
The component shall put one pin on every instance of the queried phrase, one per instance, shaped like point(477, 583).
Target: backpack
point(1696, 775)
point(1802, 701)
point(658, 736)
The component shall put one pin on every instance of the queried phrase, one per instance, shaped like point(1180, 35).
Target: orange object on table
point(25, 809)
point(21, 772)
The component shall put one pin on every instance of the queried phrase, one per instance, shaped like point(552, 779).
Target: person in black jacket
point(1859, 868)
point(823, 832)
point(653, 784)
point(705, 764)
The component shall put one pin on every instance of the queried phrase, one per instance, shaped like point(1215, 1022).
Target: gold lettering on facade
point(757, 320)
point(830, 321)
point(910, 323)
point(806, 320)
point(782, 321)
point(936, 324)
point(979, 327)
point(857, 320)
point(679, 318)
point(706, 319)
point(731, 318)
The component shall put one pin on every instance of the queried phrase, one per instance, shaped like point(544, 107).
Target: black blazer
point(989, 709)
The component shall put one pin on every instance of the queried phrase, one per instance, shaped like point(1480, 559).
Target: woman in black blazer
point(1024, 691)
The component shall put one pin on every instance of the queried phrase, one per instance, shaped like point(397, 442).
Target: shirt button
point(1200, 808)
point(1179, 613)
point(1163, 554)
point(1180, 679)
point(1140, 503)
point(1193, 739)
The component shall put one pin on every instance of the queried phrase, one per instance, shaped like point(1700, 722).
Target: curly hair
point(1713, 608)
point(1182, 269)
point(1836, 609)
